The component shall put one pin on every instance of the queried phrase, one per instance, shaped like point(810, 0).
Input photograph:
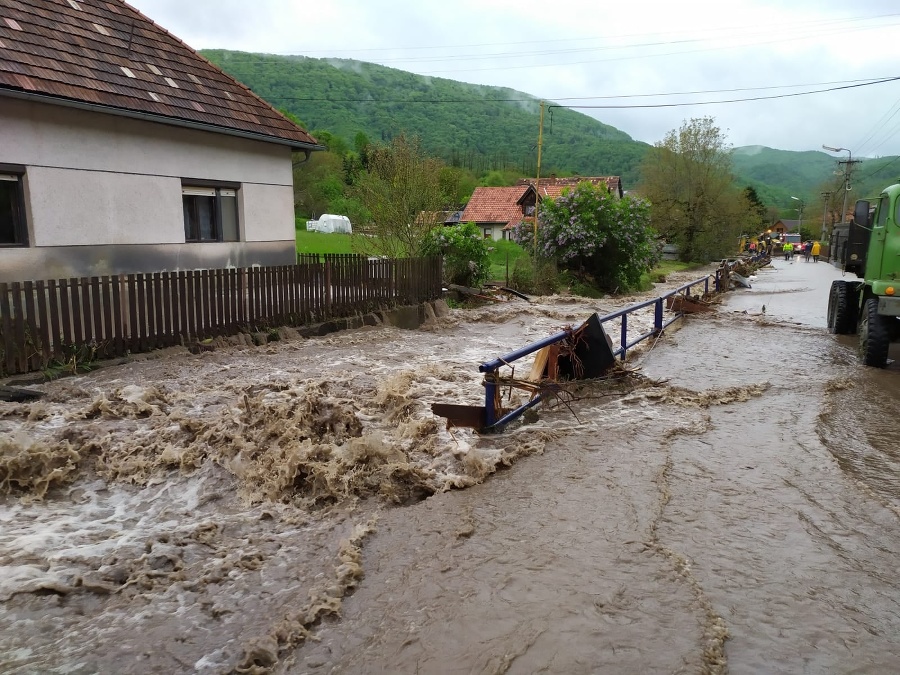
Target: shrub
point(604, 241)
point(465, 252)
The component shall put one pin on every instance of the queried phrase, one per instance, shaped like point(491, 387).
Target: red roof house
point(497, 209)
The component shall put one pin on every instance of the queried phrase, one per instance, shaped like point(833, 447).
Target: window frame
point(20, 218)
point(218, 187)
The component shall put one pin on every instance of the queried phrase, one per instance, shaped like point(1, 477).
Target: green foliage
point(465, 253)
point(601, 239)
point(76, 359)
point(688, 179)
point(503, 256)
point(543, 278)
point(348, 104)
point(403, 193)
point(577, 286)
point(478, 129)
point(778, 174)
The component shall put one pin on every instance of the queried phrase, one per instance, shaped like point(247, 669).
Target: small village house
point(496, 210)
point(122, 150)
point(779, 227)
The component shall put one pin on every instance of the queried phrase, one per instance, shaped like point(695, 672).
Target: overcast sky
point(584, 52)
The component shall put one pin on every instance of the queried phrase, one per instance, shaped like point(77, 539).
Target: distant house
point(122, 150)
point(782, 226)
point(496, 210)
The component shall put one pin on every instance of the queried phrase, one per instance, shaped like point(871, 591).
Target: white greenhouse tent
point(329, 223)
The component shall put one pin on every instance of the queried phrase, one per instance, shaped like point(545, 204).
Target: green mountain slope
point(779, 174)
point(483, 128)
point(474, 126)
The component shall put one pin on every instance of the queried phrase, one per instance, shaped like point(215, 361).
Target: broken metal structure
point(581, 353)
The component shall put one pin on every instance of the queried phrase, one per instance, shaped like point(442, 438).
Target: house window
point(488, 232)
point(13, 231)
point(210, 213)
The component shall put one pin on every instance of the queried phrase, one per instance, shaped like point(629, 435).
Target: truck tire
point(842, 308)
point(874, 335)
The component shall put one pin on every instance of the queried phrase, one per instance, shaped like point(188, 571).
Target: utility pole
point(800, 211)
point(826, 196)
point(537, 185)
point(848, 170)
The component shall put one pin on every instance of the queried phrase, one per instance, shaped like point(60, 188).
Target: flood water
point(731, 505)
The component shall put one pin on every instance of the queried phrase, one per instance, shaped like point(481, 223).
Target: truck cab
point(869, 247)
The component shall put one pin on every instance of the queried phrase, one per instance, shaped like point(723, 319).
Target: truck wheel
point(842, 308)
point(874, 336)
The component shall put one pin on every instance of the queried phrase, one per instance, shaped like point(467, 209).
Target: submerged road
point(743, 519)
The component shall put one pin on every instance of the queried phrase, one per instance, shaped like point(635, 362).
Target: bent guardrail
point(580, 353)
point(490, 368)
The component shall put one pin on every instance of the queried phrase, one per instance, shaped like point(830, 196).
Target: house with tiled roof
point(122, 150)
point(783, 225)
point(496, 210)
point(551, 188)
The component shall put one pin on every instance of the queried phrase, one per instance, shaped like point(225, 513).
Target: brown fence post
point(6, 331)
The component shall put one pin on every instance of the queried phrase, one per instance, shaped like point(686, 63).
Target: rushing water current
point(730, 504)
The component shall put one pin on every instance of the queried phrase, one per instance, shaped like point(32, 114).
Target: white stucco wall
point(271, 214)
point(100, 179)
point(78, 208)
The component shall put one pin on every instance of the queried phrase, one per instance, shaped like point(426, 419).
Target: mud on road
point(297, 508)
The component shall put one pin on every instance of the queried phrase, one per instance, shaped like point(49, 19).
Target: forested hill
point(473, 126)
point(778, 175)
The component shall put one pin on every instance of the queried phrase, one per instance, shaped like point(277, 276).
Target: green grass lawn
point(320, 242)
point(504, 251)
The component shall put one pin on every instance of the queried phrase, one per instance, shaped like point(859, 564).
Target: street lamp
point(800, 211)
point(846, 176)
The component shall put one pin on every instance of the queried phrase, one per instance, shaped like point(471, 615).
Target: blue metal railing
point(490, 368)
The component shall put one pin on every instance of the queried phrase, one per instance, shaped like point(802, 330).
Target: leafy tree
point(466, 257)
point(687, 177)
point(595, 236)
point(317, 182)
point(403, 194)
point(755, 202)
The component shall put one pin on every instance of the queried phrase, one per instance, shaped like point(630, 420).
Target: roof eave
point(296, 146)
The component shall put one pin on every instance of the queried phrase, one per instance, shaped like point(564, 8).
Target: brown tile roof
point(495, 205)
point(106, 54)
point(552, 187)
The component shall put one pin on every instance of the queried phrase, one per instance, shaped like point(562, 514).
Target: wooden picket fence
point(83, 319)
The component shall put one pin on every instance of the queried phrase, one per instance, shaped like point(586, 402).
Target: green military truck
point(868, 247)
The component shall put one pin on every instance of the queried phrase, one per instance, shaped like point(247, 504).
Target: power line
point(878, 126)
point(735, 100)
point(845, 84)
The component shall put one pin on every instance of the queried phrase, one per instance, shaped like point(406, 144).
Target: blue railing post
point(490, 394)
point(658, 317)
point(624, 335)
point(706, 285)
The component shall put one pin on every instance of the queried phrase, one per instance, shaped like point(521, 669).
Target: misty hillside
point(474, 126)
point(482, 128)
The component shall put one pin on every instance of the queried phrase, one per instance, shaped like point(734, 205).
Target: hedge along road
point(735, 510)
point(744, 518)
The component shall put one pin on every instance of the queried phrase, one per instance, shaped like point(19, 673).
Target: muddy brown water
point(296, 508)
